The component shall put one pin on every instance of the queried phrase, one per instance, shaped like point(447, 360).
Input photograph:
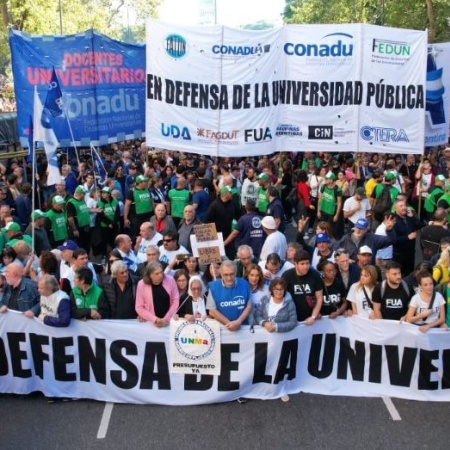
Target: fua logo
point(335, 48)
point(258, 134)
point(175, 132)
point(176, 46)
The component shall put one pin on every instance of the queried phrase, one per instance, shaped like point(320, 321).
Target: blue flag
point(53, 101)
point(99, 168)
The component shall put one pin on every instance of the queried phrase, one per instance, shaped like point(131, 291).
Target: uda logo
point(175, 46)
point(175, 132)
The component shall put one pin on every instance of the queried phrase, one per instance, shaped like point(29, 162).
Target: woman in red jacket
point(304, 206)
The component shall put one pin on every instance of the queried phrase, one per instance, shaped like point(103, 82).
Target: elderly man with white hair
point(55, 303)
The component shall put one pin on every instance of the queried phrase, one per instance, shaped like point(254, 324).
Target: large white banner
point(128, 361)
point(221, 91)
point(437, 95)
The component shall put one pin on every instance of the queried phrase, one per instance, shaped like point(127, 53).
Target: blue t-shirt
point(231, 301)
point(201, 198)
point(250, 232)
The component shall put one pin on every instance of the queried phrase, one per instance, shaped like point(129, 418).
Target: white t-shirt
point(274, 243)
point(387, 252)
point(351, 203)
point(144, 244)
point(356, 296)
point(166, 256)
point(422, 306)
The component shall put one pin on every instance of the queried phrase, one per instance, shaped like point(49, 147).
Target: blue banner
point(102, 83)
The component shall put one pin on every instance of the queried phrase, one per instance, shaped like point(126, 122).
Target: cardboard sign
point(208, 255)
point(205, 232)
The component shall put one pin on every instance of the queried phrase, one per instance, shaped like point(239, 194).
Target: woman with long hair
point(427, 307)
point(255, 277)
point(360, 293)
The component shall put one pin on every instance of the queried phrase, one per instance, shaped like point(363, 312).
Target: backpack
point(403, 284)
point(382, 204)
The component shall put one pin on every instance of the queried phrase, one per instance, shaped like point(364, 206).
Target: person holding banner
point(360, 293)
point(157, 296)
point(229, 298)
point(194, 305)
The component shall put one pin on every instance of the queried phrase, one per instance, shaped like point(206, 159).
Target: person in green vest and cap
point(330, 202)
point(138, 206)
point(262, 199)
point(435, 192)
point(78, 218)
point(444, 201)
point(56, 216)
point(107, 223)
point(13, 233)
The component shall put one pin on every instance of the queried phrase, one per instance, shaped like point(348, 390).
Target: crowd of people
point(306, 235)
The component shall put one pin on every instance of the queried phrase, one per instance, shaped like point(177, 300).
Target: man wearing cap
point(138, 206)
point(330, 201)
point(222, 211)
point(78, 218)
point(66, 249)
point(263, 200)
point(248, 230)
point(58, 221)
point(357, 206)
point(275, 241)
point(275, 208)
point(108, 219)
point(13, 232)
point(362, 236)
point(364, 258)
point(41, 241)
point(436, 192)
point(323, 250)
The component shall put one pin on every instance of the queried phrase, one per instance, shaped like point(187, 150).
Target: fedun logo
point(385, 47)
point(381, 134)
point(176, 46)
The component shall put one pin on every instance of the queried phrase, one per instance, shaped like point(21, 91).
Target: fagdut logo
point(383, 134)
point(176, 46)
point(195, 341)
point(214, 136)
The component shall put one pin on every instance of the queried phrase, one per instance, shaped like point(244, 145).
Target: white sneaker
point(284, 398)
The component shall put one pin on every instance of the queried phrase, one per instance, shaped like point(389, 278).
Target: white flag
point(44, 133)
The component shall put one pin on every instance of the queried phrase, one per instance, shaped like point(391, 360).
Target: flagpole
point(93, 168)
point(33, 198)
point(73, 139)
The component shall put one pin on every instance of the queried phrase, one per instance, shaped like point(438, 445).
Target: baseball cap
point(389, 176)
point(11, 226)
point(361, 192)
point(263, 177)
point(440, 178)
point(58, 200)
point(269, 223)
point(225, 190)
point(80, 190)
point(37, 214)
point(365, 249)
point(330, 176)
point(106, 189)
point(141, 178)
point(68, 245)
point(322, 237)
point(362, 224)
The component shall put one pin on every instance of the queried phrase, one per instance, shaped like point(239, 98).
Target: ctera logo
point(389, 48)
point(335, 48)
point(176, 46)
point(257, 135)
point(381, 134)
point(240, 50)
point(175, 132)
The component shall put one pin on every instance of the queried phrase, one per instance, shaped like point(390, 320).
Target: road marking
point(106, 417)
point(392, 409)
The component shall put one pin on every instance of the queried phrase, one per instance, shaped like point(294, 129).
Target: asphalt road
point(306, 421)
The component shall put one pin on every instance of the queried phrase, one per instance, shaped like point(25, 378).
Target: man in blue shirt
point(229, 298)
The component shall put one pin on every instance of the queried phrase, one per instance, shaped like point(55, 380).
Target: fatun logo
point(175, 46)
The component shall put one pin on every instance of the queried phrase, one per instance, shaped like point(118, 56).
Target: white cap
point(365, 249)
point(269, 223)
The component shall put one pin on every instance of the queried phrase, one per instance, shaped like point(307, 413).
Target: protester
point(54, 303)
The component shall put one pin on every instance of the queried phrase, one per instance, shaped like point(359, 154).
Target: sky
point(233, 13)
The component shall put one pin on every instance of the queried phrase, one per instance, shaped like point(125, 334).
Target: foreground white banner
point(222, 91)
point(127, 361)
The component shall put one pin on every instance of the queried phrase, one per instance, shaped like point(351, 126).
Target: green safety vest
point(109, 210)
point(82, 212)
point(142, 201)
point(179, 198)
point(431, 199)
point(329, 200)
point(58, 223)
point(88, 300)
point(446, 197)
point(263, 201)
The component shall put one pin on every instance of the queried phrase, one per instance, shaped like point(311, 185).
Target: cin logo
point(176, 46)
point(258, 135)
point(381, 134)
point(320, 132)
point(175, 132)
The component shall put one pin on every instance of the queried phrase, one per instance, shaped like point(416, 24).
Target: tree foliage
point(433, 15)
point(106, 16)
